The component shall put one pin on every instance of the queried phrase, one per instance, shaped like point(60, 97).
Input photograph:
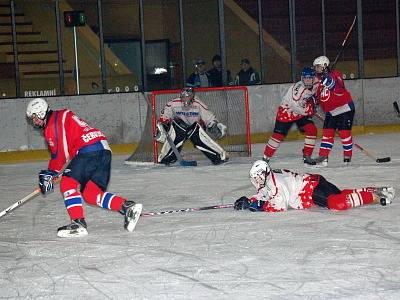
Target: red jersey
point(66, 133)
point(334, 101)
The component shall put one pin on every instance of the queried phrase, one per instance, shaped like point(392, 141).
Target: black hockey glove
point(242, 203)
point(46, 178)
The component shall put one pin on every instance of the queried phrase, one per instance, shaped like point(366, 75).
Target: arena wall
point(122, 116)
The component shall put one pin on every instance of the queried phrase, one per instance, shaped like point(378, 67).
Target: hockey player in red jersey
point(187, 117)
point(297, 106)
point(81, 153)
point(335, 100)
point(279, 190)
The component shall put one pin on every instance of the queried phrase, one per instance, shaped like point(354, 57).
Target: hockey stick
point(19, 203)
point(156, 213)
point(182, 162)
point(343, 43)
point(367, 153)
point(396, 108)
point(25, 199)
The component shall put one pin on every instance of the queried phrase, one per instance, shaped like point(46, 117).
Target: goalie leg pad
point(178, 136)
point(202, 141)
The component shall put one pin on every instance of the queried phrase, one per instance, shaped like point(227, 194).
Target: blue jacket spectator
point(199, 78)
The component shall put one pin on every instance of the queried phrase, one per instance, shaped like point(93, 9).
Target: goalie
point(186, 118)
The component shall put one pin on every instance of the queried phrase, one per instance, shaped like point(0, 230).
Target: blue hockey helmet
point(309, 73)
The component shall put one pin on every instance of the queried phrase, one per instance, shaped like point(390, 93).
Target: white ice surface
point(213, 254)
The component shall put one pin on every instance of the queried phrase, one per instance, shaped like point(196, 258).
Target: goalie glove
point(46, 178)
point(161, 135)
point(217, 130)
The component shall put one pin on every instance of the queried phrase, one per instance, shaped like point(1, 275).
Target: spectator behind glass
point(247, 75)
point(199, 78)
point(215, 74)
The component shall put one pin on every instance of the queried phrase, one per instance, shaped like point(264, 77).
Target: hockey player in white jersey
point(298, 107)
point(278, 190)
point(187, 117)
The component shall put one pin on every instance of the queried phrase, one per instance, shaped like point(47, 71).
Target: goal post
point(229, 104)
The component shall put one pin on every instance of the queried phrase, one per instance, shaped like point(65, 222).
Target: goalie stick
point(182, 162)
point(367, 153)
point(396, 108)
point(156, 213)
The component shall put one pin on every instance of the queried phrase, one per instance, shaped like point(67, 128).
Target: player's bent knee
point(310, 129)
point(68, 183)
point(91, 193)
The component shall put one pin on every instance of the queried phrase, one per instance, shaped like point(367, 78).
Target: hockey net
point(229, 104)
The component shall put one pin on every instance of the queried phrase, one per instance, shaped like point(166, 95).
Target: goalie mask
point(187, 96)
point(37, 111)
point(258, 173)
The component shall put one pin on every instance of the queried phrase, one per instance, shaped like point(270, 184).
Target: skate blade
point(74, 233)
point(132, 221)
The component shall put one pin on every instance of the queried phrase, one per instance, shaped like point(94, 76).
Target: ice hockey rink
point(211, 254)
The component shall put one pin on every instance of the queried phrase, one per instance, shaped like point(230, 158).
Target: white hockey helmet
point(37, 107)
point(321, 61)
point(258, 173)
point(37, 111)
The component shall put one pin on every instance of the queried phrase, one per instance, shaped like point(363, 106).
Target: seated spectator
point(215, 74)
point(247, 75)
point(199, 78)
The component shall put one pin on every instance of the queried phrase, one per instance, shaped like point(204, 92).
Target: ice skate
point(347, 160)
point(321, 161)
point(75, 229)
point(131, 211)
point(385, 194)
point(308, 161)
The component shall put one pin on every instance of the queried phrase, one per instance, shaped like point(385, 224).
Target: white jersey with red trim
point(196, 112)
point(285, 189)
point(294, 105)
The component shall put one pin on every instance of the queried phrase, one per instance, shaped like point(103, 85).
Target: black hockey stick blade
point(383, 159)
point(396, 108)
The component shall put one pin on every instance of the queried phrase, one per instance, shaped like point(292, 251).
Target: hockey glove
point(328, 82)
point(242, 203)
point(46, 178)
point(217, 130)
point(245, 203)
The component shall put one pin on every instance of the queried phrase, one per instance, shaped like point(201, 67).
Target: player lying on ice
point(87, 156)
point(187, 117)
point(278, 190)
